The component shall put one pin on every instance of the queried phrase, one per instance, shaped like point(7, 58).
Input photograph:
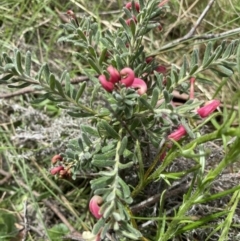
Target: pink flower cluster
point(202, 112)
point(125, 77)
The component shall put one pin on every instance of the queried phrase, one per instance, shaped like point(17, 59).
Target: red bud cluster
point(59, 169)
point(129, 6)
point(125, 77)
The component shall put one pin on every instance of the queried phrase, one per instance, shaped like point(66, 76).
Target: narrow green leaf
point(92, 51)
point(174, 76)
point(106, 155)
point(39, 75)
point(7, 59)
point(117, 216)
point(105, 229)
point(125, 188)
point(82, 35)
point(193, 69)
point(207, 53)
point(125, 165)
point(209, 61)
point(52, 81)
point(238, 59)
point(28, 63)
point(166, 96)
point(119, 62)
point(90, 130)
point(194, 58)
point(5, 78)
point(228, 50)
point(79, 114)
point(9, 67)
point(98, 226)
point(46, 72)
point(59, 88)
point(93, 64)
point(125, 26)
point(62, 78)
point(108, 211)
point(87, 141)
point(129, 235)
point(67, 84)
point(18, 62)
point(218, 52)
point(155, 95)
point(183, 69)
point(19, 86)
point(121, 45)
point(111, 132)
point(103, 56)
point(145, 103)
point(101, 182)
point(123, 145)
point(127, 12)
point(223, 71)
point(103, 163)
point(82, 87)
point(140, 160)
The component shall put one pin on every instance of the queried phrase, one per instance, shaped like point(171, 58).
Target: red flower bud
point(128, 76)
point(114, 74)
point(163, 155)
point(56, 170)
point(94, 206)
point(129, 6)
point(149, 59)
point(191, 94)
point(128, 21)
point(108, 86)
point(178, 134)
point(161, 69)
point(56, 158)
point(140, 84)
point(208, 108)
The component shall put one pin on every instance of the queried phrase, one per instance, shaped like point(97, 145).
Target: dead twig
point(7, 176)
point(26, 228)
point(52, 206)
point(193, 29)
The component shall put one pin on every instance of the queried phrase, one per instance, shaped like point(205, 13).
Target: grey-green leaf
point(82, 87)
point(123, 145)
point(111, 132)
point(52, 81)
point(155, 95)
point(18, 62)
point(207, 54)
point(28, 63)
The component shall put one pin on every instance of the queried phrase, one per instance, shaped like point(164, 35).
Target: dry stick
point(7, 176)
point(26, 226)
point(51, 206)
point(192, 31)
point(155, 198)
point(195, 37)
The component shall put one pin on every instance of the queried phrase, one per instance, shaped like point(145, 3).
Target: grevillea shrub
point(132, 130)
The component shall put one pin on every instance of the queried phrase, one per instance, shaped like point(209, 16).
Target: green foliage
point(127, 132)
point(57, 232)
point(7, 225)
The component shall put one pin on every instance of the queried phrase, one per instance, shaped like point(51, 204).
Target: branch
point(195, 37)
point(193, 29)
